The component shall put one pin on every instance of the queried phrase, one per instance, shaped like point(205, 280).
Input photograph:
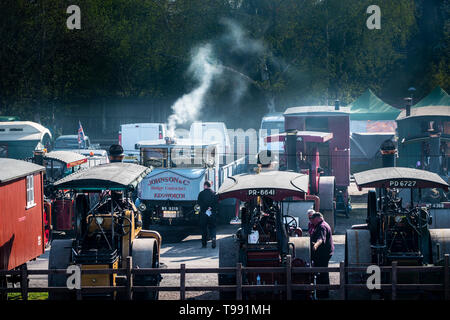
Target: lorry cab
point(169, 192)
point(272, 123)
point(132, 133)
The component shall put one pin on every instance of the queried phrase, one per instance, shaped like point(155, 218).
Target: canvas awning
point(110, 176)
point(437, 97)
point(273, 184)
point(369, 107)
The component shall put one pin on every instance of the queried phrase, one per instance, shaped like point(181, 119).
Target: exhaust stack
point(388, 153)
point(291, 149)
point(337, 105)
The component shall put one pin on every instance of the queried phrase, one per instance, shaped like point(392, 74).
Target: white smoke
point(204, 70)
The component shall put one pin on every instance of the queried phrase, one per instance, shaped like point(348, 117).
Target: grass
point(31, 296)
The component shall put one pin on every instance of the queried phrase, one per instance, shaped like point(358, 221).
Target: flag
point(80, 134)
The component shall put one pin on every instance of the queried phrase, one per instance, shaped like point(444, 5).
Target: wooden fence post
point(342, 280)
point(24, 281)
point(129, 278)
point(394, 280)
point(239, 281)
point(288, 277)
point(182, 281)
point(447, 277)
point(78, 294)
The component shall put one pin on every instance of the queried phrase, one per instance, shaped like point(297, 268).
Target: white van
point(132, 133)
point(272, 123)
point(209, 132)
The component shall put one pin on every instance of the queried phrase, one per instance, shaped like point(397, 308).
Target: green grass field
point(31, 296)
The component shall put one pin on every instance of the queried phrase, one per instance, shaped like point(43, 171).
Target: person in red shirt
point(322, 249)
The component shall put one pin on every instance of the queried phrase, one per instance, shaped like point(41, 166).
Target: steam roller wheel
point(440, 244)
point(145, 256)
point(302, 249)
point(357, 254)
point(60, 257)
point(326, 195)
point(228, 258)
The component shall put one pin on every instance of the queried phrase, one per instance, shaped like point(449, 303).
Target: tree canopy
point(274, 53)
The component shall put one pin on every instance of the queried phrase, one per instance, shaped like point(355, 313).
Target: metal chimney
point(408, 106)
point(291, 149)
point(336, 104)
point(388, 153)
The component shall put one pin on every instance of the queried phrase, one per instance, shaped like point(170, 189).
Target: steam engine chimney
point(291, 148)
point(408, 106)
point(388, 153)
point(336, 105)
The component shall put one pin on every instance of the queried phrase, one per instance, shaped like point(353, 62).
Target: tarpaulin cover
point(369, 107)
point(366, 146)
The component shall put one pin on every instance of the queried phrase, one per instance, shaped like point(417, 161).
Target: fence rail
point(240, 287)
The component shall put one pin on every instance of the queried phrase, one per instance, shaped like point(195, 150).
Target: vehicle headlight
point(142, 207)
point(398, 218)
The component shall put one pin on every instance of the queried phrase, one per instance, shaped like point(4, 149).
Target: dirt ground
point(179, 248)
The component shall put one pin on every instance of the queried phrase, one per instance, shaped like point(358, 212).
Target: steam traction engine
point(395, 231)
point(266, 236)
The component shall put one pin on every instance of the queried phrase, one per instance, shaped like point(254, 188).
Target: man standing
point(310, 212)
point(322, 250)
point(208, 202)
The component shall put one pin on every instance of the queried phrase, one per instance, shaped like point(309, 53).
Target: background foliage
point(313, 50)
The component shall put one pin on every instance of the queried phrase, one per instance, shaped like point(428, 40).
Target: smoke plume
point(203, 69)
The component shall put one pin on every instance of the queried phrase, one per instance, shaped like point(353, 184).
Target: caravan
point(18, 139)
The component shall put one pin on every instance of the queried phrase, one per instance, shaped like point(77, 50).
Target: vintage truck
point(168, 194)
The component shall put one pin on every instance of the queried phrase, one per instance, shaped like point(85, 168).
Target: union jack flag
point(80, 134)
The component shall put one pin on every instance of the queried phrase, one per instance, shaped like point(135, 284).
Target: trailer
point(22, 214)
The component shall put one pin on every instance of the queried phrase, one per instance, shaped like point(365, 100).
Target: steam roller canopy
point(357, 254)
point(440, 244)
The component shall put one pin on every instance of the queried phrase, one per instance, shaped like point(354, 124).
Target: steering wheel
point(290, 222)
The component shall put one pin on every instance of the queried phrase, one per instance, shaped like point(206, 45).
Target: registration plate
point(170, 214)
point(261, 192)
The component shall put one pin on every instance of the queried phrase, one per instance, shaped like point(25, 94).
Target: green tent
point(369, 107)
point(437, 97)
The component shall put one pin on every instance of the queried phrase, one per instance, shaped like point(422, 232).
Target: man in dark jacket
point(322, 249)
point(208, 202)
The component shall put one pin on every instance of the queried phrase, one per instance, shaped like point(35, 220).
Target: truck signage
point(172, 184)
